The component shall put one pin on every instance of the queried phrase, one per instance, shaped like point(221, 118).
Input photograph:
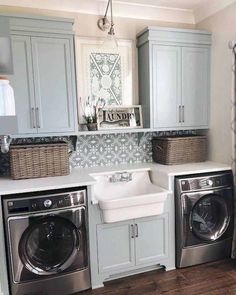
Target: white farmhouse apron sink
point(128, 195)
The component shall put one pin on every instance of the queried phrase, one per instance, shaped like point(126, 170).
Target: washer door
point(49, 245)
point(210, 217)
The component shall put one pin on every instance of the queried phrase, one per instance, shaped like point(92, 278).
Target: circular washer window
point(210, 218)
point(49, 246)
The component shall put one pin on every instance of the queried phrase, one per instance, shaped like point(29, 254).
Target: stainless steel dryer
point(46, 239)
point(204, 207)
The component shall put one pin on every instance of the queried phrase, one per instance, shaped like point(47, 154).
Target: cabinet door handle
point(37, 117)
point(132, 231)
point(33, 118)
point(180, 120)
point(183, 115)
point(136, 230)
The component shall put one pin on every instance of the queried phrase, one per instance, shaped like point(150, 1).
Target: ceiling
point(178, 11)
point(179, 4)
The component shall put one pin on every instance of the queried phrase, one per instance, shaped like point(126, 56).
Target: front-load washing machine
point(47, 242)
point(204, 213)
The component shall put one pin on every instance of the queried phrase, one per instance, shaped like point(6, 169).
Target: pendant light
point(104, 25)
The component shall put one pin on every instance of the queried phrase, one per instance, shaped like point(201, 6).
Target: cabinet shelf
point(115, 131)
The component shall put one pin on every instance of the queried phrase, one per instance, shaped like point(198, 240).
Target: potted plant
point(90, 113)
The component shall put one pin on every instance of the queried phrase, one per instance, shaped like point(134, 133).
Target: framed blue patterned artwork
point(104, 73)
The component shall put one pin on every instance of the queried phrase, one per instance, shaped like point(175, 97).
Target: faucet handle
point(120, 177)
point(126, 176)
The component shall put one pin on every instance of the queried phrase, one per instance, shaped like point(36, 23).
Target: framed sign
point(119, 117)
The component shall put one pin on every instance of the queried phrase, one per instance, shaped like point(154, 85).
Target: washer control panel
point(205, 182)
point(47, 202)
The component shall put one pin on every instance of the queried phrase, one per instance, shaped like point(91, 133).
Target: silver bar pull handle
point(37, 117)
point(136, 230)
point(33, 118)
point(180, 119)
point(183, 115)
point(132, 231)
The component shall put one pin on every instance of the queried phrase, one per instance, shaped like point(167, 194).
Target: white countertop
point(76, 178)
point(191, 168)
point(83, 177)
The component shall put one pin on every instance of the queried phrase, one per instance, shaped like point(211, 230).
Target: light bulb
point(111, 40)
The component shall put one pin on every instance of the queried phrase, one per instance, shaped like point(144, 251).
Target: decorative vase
point(92, 126)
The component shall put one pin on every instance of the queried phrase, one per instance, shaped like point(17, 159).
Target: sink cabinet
point(129, 246)
point(174, 78)
point(138, 242)
point(115, 246)
point(44, 76)
point(152, 239)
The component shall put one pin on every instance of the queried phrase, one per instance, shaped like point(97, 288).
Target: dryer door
point(210, 218)
point(47, 244)
point(207, 216)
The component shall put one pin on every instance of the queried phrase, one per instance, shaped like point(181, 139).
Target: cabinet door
point(22, 83)
point(54, 93)
point(166, 85)
point(151, 240)
point(115, 247)
point(195, 86)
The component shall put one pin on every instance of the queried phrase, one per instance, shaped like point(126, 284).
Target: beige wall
point(223, 28)
point(86, 24)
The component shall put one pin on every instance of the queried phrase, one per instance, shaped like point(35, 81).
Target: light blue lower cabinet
point(128, 247)
point(151, 241)
point(115, 247)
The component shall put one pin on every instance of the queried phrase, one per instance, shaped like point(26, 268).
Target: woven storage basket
point(179, 150)
point(39, 160)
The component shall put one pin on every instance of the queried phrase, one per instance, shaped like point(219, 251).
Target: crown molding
point(206, 10)
point(127, 9)
point(121, 9)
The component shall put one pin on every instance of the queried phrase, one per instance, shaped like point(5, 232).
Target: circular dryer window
point(210, 218)
point(49, 245)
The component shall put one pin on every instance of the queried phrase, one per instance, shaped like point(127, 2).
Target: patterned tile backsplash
point(101, 150)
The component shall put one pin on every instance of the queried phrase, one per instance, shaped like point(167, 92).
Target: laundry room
point(117, 147)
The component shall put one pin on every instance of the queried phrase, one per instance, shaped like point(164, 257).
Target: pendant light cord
point(234, 66)
point(112, 23)
point(107, 8)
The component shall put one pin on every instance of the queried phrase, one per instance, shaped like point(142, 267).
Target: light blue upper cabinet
point(174, 78)
point(53, 86)
point(22, 83)
point(166, 85)
point(44, 76)
point(195, 86)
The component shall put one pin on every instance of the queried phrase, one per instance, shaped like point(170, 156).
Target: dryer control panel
point(48, 201)
point(205, 181)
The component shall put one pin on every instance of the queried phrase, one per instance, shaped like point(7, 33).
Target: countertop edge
point(84, 176)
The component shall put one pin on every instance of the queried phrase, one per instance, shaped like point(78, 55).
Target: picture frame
point(119, 117)
point(105, 72)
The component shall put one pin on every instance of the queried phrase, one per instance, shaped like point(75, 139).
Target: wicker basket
point(39, 160)
point(179, 150)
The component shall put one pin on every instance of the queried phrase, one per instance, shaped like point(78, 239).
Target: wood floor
point(217, 278)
